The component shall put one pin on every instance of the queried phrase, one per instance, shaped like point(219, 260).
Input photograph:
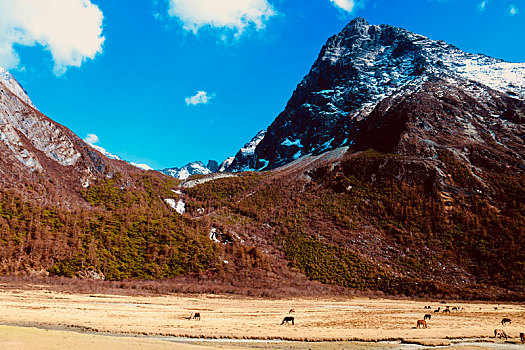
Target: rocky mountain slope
point(36, 150)
point(245, 159)
point(366, 65)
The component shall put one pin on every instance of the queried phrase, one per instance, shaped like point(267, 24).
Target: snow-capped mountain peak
point(245, 159)
point(355, 71)
point(225, 164)
point(193, 168)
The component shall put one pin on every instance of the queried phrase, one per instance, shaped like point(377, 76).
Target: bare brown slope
point(470, 120)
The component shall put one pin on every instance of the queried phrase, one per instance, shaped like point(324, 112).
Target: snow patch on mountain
point(494, 73)
point(289, 143)
point(141, 166)
point(249, 148)
point(106, 153)
point(506, 77)
point(213, 235)
point(179, 206)
point(245, 159)
point(225, 164)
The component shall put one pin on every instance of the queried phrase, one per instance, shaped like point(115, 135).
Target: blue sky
point(166, 82)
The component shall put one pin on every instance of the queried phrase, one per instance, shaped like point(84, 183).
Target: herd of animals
point(498, 333)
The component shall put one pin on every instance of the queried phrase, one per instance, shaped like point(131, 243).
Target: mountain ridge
point(382, 174)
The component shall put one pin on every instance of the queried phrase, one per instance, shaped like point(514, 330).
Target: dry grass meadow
point(40, 318)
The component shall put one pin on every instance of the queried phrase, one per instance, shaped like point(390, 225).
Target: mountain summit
point(366, 70)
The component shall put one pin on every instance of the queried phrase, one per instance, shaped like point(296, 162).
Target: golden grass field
point(40, 318)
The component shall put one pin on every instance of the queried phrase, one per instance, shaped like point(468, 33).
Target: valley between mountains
point(397, 167)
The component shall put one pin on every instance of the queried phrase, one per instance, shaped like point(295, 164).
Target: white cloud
point(70, 29)
point(347, 5)
point(236, 15)
point(513, 10)
point(482, 5)
point(92, 139)
point(142, 166)
point(201, 97)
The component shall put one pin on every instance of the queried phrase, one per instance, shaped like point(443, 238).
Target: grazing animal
point(427, 317)
point(500, 333)
point(522, 337)
point(455, 309)
point(446, 310)
point(505, 321)
point(421, 324)
point(291, 311)
point(437, 310)
point(287, 320)
point(197, 316)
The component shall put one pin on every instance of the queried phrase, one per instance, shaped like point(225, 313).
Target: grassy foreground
point(108, 321)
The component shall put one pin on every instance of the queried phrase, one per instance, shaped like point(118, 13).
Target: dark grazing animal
point(291, 311)
point(197, 316)
point(505, 321)
point(437, 310)
point(447, 310)
point(427, 317)
point(500, 333)
point(421, 324)
point(288, 319)
point(522, 337)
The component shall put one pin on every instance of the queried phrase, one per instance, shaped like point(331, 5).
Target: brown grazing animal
point(505, 321)
point(291, 311)
point(427, 317)
point(446, 310)
point(522, 337)
point(197, 316)
point(421, 324)
point(287, 320)
point(500, 333)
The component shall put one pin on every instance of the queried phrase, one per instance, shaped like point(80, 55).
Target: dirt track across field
point(41, 318)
